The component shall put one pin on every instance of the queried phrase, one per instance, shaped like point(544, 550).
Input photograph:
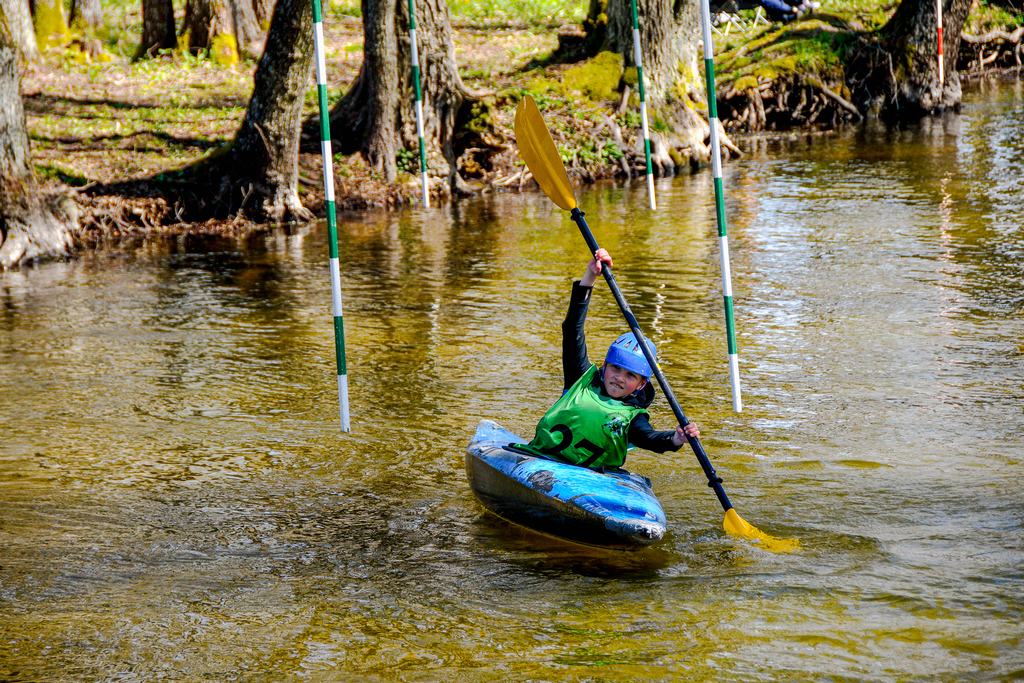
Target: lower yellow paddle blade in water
point(737, 526)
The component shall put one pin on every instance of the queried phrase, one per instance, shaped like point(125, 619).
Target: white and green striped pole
point(332, 221)
point(419, 101)
point(723, 237)
point(638, 58)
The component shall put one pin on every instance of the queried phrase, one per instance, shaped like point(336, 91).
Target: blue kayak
point(610, 509)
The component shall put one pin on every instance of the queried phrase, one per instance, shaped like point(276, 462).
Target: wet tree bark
point(227, 28)
point(258, 175)
point(157, 28)
point(33, 224)
point(377, 116)
point(19, 19)
point(896, 76)
point(670, 40)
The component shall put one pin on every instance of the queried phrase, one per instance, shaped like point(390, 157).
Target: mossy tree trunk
point(896, 76)
point(19, 20)
point(258, 174)
point(33, 224)
point(157, 28)
point(377, 116)
point(86, 15)
point(51, 25)
point(670, 40)
point(227, 28)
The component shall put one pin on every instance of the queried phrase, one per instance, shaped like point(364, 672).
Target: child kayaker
point(603, 409)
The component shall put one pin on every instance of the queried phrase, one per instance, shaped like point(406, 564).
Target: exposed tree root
point(995, 50)
point(798, 101)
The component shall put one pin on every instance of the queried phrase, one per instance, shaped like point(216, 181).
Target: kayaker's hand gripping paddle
point(538, 151)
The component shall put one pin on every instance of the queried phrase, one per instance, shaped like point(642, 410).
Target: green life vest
point(585, 427)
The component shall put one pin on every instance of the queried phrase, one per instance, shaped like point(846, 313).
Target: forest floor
point(98, 122)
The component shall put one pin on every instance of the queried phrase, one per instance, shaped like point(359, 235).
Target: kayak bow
point(613, 509)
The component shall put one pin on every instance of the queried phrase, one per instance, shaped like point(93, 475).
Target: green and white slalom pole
point(638, 58)
point(332, 222)
point(723, 238)
point(419, 101)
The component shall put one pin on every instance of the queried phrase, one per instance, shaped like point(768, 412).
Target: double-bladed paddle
point(538, 151)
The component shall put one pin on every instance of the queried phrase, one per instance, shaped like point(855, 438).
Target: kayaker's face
point(620, 382)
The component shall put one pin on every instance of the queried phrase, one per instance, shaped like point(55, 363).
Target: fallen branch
point(504, 182)
point(839, 99)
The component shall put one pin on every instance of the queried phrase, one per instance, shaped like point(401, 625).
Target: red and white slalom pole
point(938, 23)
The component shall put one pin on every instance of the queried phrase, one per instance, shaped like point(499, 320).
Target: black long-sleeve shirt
point(575, 363)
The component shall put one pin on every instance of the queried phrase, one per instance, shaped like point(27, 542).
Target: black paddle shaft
point(714, 481)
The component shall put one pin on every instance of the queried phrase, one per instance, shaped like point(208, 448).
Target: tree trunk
point(227, 28)
point(670, 43)
point(32, 225)
point(897, 75)
point(264, 11)
point(19, 19)
point(157, 27)
point(85, 15)
point(258, 175)
point(377, 116)
point(50, 23)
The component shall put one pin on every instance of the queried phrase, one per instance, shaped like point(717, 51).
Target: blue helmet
point(625, 352)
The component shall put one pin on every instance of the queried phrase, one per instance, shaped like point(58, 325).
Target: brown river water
point(177, 501)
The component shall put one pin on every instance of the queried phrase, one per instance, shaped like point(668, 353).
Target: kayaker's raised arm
point(575, 360)
point(594, 267)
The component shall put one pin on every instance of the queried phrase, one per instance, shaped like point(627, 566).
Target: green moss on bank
point(597, 78)
point(804, 47)
point(986, 17)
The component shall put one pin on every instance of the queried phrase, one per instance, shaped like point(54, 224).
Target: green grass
point(529, 12)
point(490, 12)
point(821, 50)
point(344, 8)
point(121, 29)
point(54, 172)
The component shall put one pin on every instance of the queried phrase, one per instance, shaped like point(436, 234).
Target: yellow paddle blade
point(538, 150)
point(737, 526)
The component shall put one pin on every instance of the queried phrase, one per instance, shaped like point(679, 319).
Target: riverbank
point(94, 125)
